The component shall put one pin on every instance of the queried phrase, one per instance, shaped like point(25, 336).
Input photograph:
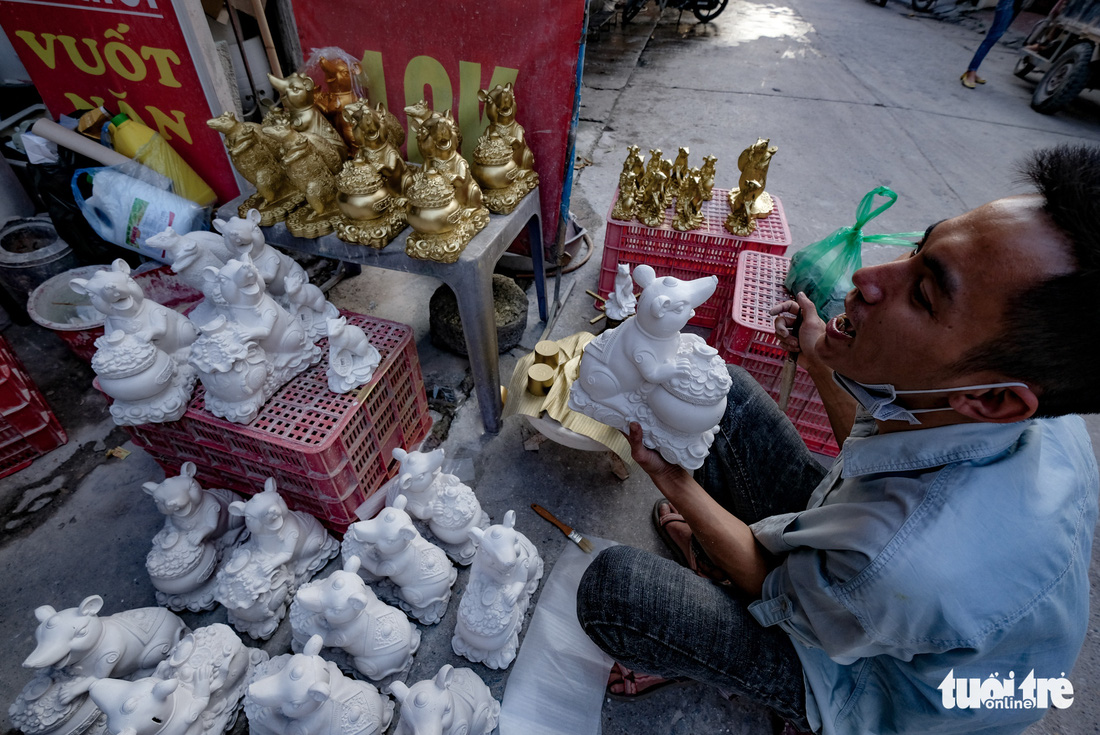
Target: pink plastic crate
point(327, 452)
point(28, 428)
point(747, 339)
point(710, 250)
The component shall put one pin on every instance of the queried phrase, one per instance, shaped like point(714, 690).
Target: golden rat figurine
point(679, 169)
point(252, 154)
point(754, 162)
point(667, 190)
point(635, 165)
point(742, 217)
point(652, 166)
point(296, 92)
point(689, 202)
point(307, 170)
point(442, 226)
point(625, 205)
point(651, 208)
point(707, 176)
point(503, 164)
point(339, 93)
point(371, 185)
point(440, 142)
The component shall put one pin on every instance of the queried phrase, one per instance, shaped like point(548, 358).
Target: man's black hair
point(1048, 338)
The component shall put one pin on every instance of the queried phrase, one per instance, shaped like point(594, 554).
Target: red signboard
point(129, 56)
point(444, 52)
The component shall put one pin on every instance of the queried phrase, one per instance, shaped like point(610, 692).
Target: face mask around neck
point(878, 399)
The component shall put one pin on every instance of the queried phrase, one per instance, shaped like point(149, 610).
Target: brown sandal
point(682, 543)
point(634, 685)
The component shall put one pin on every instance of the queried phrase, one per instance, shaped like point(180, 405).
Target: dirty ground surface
point(853, 94)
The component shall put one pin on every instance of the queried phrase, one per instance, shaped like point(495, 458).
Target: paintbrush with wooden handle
point(581, 541)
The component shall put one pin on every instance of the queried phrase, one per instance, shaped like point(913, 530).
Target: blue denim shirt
point(960, 549)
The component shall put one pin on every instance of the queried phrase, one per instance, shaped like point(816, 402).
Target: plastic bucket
point(72, 317)
point(30, 253)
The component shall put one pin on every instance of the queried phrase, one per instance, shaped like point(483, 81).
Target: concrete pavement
point(854, 95)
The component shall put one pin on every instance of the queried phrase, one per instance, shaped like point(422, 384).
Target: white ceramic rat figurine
point(506, 570)
point(377, 639)
point(403, 567)
point(302, 694)
point(454, 702)
point(449, 507)
point(352, 359)
point(198, 528)
point(621, 303)
point(645, 370)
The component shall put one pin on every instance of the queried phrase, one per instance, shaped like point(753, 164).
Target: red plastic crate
point(747, 338)
point(28, 428)
point(327, 452)
point(711, 249)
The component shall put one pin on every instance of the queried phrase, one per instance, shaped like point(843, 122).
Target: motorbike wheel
point(631, 9)
point(707, 14)
point(923, 6)
point(1066, 78)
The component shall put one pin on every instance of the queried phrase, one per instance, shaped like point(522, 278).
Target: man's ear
point(997, 405)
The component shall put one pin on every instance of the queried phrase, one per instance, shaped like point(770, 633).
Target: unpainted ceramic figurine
point(243, 236)
point(195, 691)
point(454, 702)
point(302, 694)
point(352, 359)
point(503, 163)
point(645, 370)
point(224, 355)
point(145, 383)
point(506, 570)
point(74, 648)
point(120, 299)
point(252, 155)
point(621, 303)
point(376, 640)
point(284, 549)
point(409, 571)
point(449, 508)
point(308, 304)
point(198, 528)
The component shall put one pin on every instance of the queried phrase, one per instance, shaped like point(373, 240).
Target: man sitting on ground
point(950, 541)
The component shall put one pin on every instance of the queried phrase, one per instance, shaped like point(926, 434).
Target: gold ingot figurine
point(257, 158)
point(296, 93)
point(503, 163)
point(308, 171)
point(707, 176)
point(443, 227)
point(547, 353)
point(540, 378)
point(689, 202)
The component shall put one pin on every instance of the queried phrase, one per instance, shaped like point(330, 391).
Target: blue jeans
point(1002, 19)
point(653, 615)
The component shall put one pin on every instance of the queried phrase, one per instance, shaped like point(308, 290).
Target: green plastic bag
point(824, 270)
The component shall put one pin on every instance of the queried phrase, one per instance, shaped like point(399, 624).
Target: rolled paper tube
point(61, 135)
point(546, 353)
point(539, 379)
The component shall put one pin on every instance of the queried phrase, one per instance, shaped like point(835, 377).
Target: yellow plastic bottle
point(142, 143)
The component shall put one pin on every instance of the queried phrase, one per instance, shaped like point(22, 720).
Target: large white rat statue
point(198, 528)
point(454, 702)
point(449, 508)
point(74, 648)
point(284, 549)
point(506, 570)
point(120, 299)
point(302, 694)
point(645, 370)
point(377, 640)
point(403, 567)
point(195, 691)
point(352, 359)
